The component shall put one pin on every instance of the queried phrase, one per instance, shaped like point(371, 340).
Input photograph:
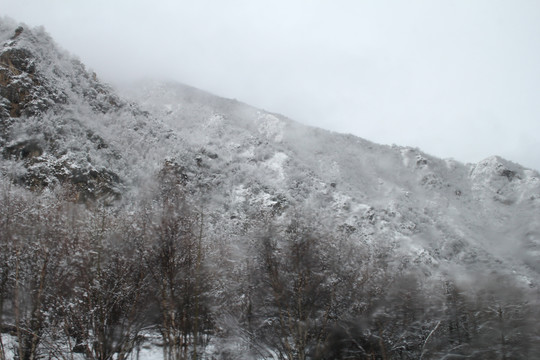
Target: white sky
point(455, 78)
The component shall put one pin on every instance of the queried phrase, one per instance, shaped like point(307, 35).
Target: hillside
point(409, 255)
point(442, 207)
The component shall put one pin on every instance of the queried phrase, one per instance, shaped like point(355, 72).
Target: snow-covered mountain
point(454, 214)
point(60, 125)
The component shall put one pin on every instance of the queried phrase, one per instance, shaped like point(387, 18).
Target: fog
point(457, 79)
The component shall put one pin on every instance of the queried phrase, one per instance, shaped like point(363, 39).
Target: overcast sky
point(457, 79)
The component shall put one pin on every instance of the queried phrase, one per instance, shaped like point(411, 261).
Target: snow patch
point(270, 127)
point(215, 121)
point(406, 156)
point(239, 194)
point(275, 163)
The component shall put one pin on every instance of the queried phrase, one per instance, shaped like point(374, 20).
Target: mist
point(179, 224)
point(457, 79)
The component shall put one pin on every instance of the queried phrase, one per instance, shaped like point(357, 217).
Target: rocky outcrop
point(22, 89)
point(34, 81)
point(40, 84)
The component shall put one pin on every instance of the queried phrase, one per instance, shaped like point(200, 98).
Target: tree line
point(97, 280)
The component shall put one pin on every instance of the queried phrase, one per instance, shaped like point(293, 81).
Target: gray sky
point(457, 78)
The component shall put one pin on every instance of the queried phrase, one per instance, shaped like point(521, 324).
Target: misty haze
point(155, 220)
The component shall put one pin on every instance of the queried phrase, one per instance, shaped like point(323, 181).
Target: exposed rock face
point(33, 80)
point(21, 88)
point(41, 84)
point(15, 88)
point(25, 149)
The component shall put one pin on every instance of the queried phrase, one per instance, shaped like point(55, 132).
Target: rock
point(18, 31)
point(508, 173)
point(24, 149)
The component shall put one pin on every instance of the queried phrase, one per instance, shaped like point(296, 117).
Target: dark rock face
point(14, 81)
point(44, 168)
point(21, 86)
point(92, 185)
point(508, 173)
point(24, 150)
point(37, 81)
point(27, 91)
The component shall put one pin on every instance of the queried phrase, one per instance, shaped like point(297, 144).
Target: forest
point(94, 281)
point(198, 227)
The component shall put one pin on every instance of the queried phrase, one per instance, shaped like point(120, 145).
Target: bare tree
point(295, 298)
point(176, 263)
point(110, 285)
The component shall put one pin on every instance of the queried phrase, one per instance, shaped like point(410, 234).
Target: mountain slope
point(454, 212)
point(245, 171)
point(61, 124)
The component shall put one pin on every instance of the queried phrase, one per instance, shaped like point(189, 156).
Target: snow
point(148, 353)
point(436, 199)
point(276, 164)
point(270, 126)
point(448, 217)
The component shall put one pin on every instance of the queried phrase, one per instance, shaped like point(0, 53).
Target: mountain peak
point(37, 76)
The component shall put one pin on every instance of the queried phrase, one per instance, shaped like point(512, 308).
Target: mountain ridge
point(61, 126)
point(494, 182)
point(346, 170)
